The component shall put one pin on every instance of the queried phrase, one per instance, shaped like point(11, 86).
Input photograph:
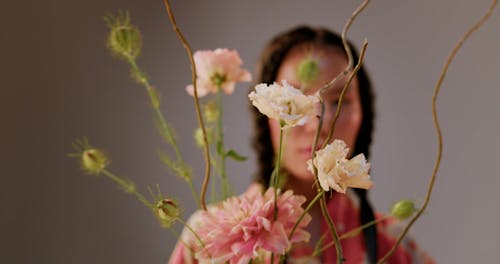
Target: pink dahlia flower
point(220, 67)
point(243, 228)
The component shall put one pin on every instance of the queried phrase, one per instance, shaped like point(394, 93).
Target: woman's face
point(298, 140)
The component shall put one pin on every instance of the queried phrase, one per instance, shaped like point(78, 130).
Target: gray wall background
point(58, 83)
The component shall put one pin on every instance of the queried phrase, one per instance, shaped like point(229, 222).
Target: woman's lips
point(307, 151)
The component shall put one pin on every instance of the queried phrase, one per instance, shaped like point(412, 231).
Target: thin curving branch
point(196, 102)
point(437, 88)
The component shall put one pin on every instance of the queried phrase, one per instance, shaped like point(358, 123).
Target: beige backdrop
point(58, 83)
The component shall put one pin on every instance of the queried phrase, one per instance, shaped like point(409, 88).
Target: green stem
point(213, 197)
point(177, 235)
point(165, 129)
point(193, 191)
point(333, 230)
point(277, 174)
point(179, 238)
point(191, 230)
point(355, 231)
point(309, 206)
point(163, 126)
point(127, 187)
point(351, 233)
point(221, 151)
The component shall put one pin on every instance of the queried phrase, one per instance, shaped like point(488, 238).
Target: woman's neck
point(309, 190)
point(301, 187)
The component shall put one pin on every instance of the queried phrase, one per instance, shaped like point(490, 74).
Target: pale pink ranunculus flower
point(243, 228)
point(220, 67)
point(285, 103)
point(335, 171)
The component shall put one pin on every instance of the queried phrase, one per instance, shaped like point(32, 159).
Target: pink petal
point(201, 92)
point(277, 240)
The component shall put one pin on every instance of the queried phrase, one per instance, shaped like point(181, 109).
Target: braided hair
point(270, 62)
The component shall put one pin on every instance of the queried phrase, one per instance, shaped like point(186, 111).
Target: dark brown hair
point(270, 62)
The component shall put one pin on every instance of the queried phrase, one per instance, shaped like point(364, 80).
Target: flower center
point(218, 79)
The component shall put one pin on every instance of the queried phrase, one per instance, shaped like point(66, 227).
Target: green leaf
point(235, 156)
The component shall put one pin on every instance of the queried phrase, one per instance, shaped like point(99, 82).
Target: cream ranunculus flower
point(284, 103)
point(217, 68)
point(335, 171)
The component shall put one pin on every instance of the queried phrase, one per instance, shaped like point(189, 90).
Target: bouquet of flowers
point(258, 226)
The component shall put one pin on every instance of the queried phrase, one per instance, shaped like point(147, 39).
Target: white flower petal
point(336, 172)
point(284, 103)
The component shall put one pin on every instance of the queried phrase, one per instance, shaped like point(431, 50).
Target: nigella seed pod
point(403, 209)
point(94, 161)
point(167, 211)
point(307, 71)
point(124, 39)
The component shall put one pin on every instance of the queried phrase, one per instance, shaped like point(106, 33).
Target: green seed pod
point(124, 39)
point(94, 161)
point(167, 211)
point(403, 209)
point(307, 71)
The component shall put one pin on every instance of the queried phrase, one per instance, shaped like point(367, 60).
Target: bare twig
point(346, 28)
point(347, 48)
point(331, 225)
point(344, 90)
point(196, 102)
point(437, 88)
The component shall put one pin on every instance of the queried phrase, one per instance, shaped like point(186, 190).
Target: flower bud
point(211, 111)
point(124, 39)
point(167, 211)
point(198, 136)
point(94, 161)
point(403, 209)
point(307, 71)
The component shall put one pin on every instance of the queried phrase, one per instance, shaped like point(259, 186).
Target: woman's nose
point(313, 121)
point(312, 124)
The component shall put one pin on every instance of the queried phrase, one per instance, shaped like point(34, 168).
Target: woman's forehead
point(320, 52)
point(329, 61)
point(330, 64)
